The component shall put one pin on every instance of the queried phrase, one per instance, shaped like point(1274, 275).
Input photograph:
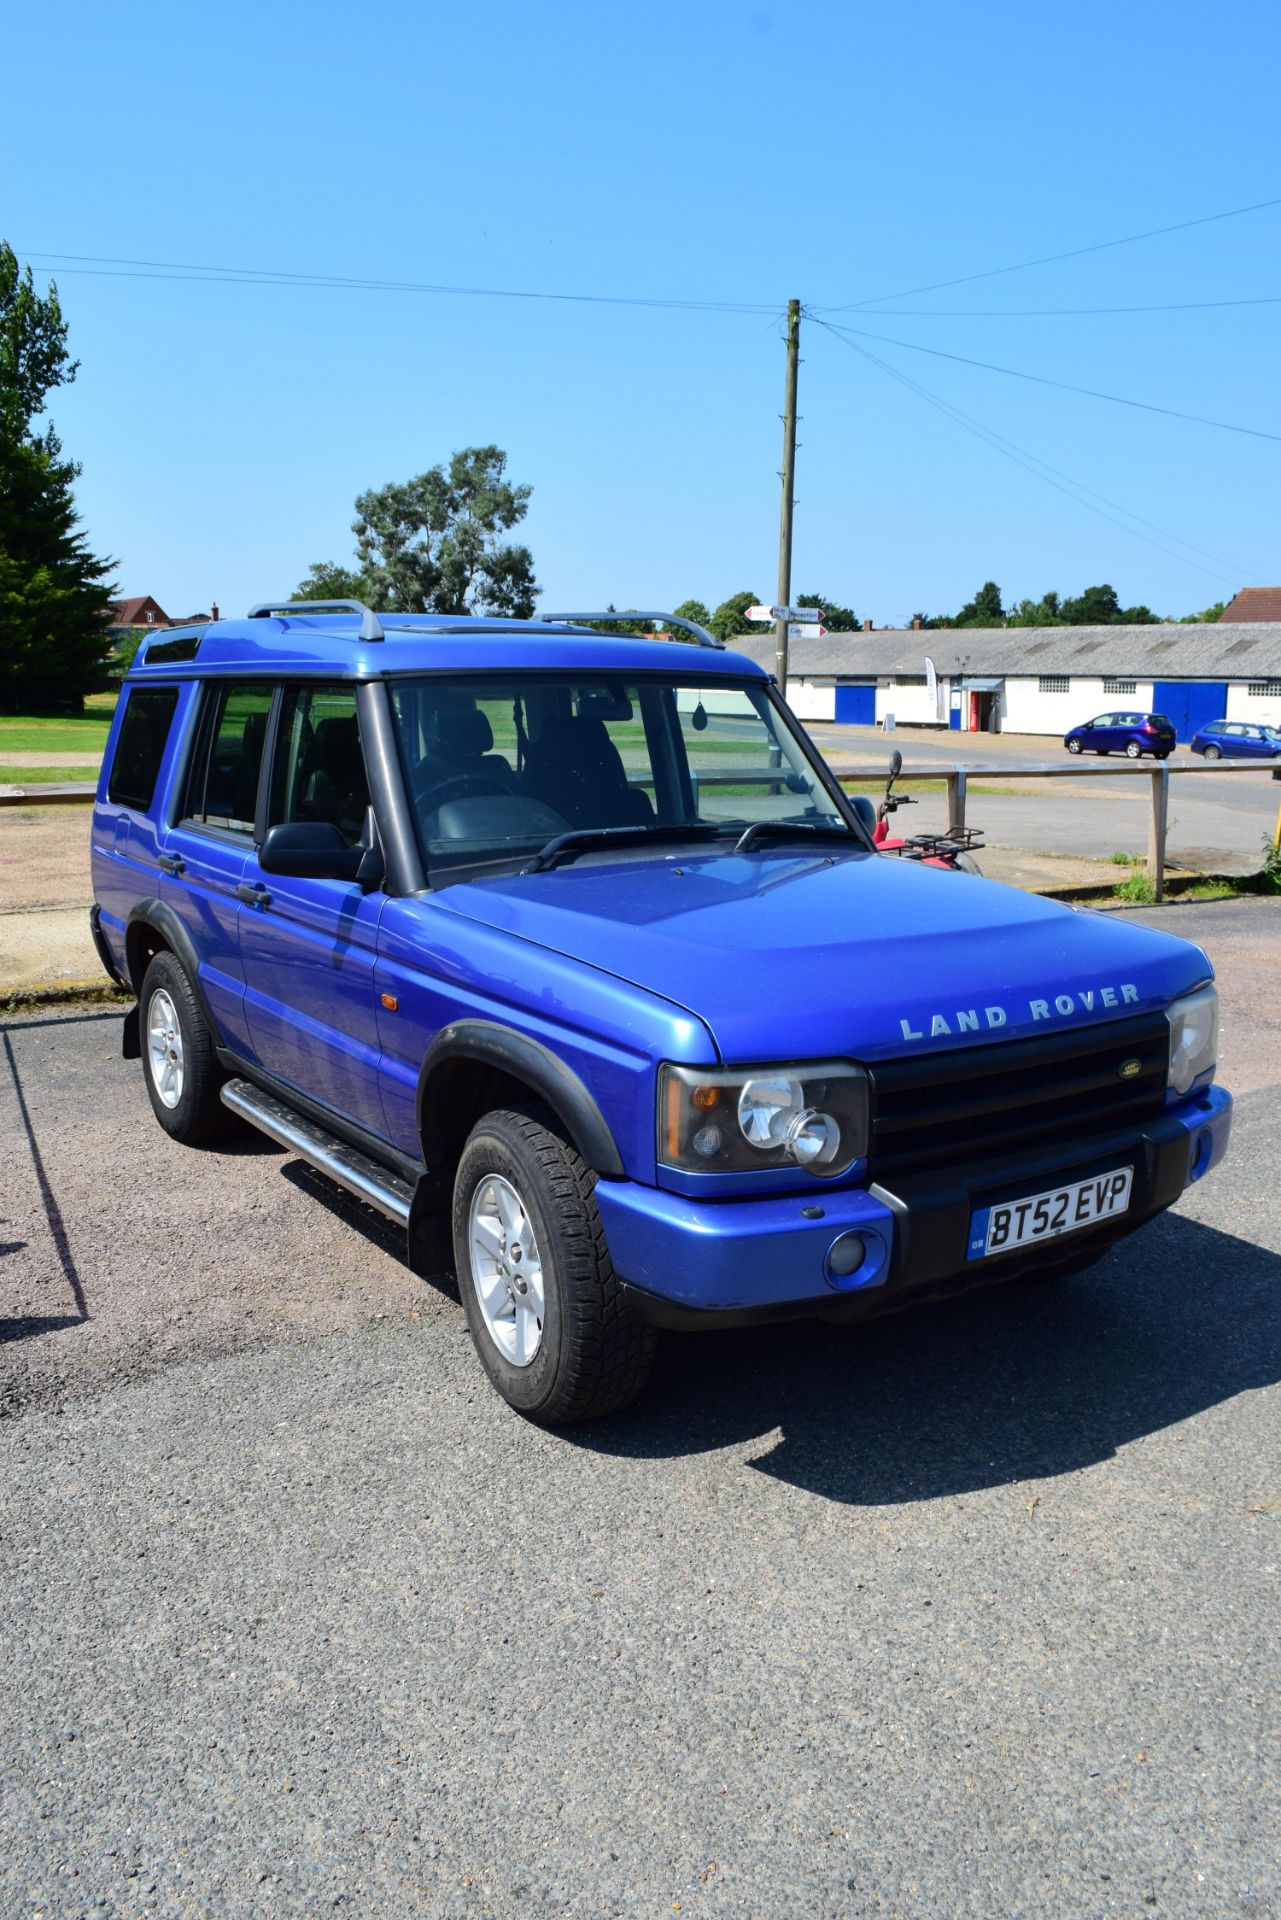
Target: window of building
point(1111, 685)
point(141, 746)
point(1054, 683)
point(910, 680)
point(223, 791)
point(1264, 689)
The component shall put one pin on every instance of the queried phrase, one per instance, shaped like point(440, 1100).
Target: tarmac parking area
point(972, 1611)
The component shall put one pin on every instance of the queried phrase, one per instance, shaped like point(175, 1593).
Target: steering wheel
point(459, 785)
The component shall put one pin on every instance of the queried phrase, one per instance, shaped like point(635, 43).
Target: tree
point(836, 619)
point(1208, 614)
point(1045, 612)
point(53, 596)
point(984, 610)
point(326, 581)
point(53, 593)
point(693, 610)
point(432, 544)
point(730, 618)
point(1099, 607)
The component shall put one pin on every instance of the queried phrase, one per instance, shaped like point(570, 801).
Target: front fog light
point(1194, 1039)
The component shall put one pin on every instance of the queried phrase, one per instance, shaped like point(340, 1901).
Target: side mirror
point(896, 764)
point(866, 812)
point(310, 850)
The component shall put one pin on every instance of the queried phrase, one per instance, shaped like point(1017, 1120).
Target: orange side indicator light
point(390, 1001)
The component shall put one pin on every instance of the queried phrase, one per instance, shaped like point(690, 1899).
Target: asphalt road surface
point(968, 1612)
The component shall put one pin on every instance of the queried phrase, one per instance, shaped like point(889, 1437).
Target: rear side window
point(224, 778)
point(141, 746)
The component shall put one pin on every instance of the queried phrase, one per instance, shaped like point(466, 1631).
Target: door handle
point(170, 863)
point(253, 896)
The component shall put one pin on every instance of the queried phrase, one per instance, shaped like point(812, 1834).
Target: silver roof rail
point(701, 635)
point(370, 624)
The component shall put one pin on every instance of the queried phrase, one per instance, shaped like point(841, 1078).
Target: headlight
point(1194, 1039)
point(741, 1121)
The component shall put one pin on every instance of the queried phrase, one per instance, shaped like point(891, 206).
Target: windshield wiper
point(585, 839)
point(794, 830)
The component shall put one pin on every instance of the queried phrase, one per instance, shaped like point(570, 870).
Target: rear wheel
point(179, 1063)
point(1213, 753)
point(547, 1315)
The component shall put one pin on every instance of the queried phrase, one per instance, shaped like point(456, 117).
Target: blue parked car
point(566, 952)
point(1132, 734)
point(1237, 740)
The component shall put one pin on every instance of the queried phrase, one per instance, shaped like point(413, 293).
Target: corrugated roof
point(1242, 651)
point(1253, 603)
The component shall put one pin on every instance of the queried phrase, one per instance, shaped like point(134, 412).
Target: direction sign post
point(790, 614)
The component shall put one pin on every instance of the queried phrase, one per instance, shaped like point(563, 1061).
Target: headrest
point(460, 733)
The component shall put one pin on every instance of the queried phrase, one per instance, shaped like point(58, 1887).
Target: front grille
point(976, 1102)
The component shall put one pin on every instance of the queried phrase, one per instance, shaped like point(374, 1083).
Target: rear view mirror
point(896, 764)
point(310, 850)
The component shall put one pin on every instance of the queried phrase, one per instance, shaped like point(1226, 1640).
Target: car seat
point(574, 766)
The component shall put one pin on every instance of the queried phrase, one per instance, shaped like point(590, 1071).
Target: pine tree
point(53, 593)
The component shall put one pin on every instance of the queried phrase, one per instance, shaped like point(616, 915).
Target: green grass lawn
point(41, 776)
point(55, 733)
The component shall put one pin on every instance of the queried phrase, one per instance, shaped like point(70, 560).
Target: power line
point(1047, 313)
point(1031, 462)
point(1064, 386)
point(108, 267)
point(1048, 259)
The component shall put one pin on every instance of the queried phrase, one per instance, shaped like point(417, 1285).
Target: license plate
point(1049, 1215)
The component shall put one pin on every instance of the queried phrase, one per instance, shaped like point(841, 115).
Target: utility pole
point(789, 481)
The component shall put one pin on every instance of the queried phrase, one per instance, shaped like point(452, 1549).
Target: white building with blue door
point(1034, 679)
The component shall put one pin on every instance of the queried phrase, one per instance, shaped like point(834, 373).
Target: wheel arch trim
point(487, 1043)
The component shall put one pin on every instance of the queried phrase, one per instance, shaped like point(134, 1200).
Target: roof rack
point(701, 635)
point(370, 624)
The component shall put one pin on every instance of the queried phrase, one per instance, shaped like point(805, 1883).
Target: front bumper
point(728, 1262)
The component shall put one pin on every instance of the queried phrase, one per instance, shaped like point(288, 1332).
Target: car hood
point(786, 955)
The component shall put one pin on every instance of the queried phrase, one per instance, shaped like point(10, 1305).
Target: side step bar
point(354, 1171)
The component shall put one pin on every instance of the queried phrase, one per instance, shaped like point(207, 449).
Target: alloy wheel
point(164, 1048)
point(506, 1269)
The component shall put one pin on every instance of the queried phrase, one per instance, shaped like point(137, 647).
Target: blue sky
point(709, 151)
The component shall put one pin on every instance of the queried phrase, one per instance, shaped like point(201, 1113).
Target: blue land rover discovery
point(565, 950)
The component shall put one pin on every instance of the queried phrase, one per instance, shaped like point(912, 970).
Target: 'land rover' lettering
point(1063, 1006)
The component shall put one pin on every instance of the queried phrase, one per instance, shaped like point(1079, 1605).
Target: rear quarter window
point(140, 746)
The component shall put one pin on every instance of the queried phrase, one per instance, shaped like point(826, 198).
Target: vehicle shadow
point(1016, 1383)
point(22, 1327)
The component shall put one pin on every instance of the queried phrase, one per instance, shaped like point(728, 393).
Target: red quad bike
point(952, 848)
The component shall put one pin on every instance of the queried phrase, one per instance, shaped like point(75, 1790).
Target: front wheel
point(1074, 746)
point(1213, 753)
point(547, 1315)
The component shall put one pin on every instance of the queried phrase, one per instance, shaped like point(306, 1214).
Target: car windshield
point(498, 765)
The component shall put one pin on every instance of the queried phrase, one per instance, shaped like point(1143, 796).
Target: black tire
point(966, 863)
point(1074, 746)
point(1134, 751)
point(198, 1114)
point(1211, 753)
point(594, 1355)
